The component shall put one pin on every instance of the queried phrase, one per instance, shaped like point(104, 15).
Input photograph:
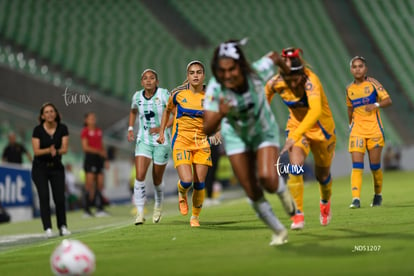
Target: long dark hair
point(240, 60)
point(57, 119)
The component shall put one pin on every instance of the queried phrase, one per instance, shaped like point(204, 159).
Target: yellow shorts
point(197, 156)
point(323, 151)
point(361, 144)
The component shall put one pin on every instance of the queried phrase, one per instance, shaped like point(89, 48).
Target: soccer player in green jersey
point(235, 98)
point(149, 103)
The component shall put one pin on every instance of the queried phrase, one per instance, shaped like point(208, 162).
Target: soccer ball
point(72, 257)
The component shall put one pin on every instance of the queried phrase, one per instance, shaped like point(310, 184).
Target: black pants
point(210, 177)
point(56, 176)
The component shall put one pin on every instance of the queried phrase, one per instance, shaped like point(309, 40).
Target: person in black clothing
point(50, 141)
point(13, 152)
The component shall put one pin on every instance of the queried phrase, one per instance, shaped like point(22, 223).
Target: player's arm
point(87, 149)
point(269, 91)
point(312, 116)
point(131, 123)
point(350, 107)
point(384, 98)
point(171, 106)
point(213, 119)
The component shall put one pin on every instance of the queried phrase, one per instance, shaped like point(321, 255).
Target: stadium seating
point(391, 24)
point(108, 44)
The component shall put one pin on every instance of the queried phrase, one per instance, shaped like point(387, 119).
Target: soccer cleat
point(298, 222)
point(377, 201)
point(64, 231)
point(194, 221)
point(101, 214)
point(355, 204)
point(279, 238)
point(156, 217)
point(140, 219)
point(87, 214)
point(288, 202)
point(48, 233)
point(182, 204)
point(325, 216)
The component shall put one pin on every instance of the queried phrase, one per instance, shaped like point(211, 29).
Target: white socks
point(139, 195)
point(282, 186)
point(265, 213)
point(159, 194)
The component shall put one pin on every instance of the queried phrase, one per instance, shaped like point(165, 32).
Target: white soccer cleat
point(288, 202)
point(102, 214)
point(140, 219)
point(64, 231)
point(279, 238)
point(48, 233)
point(156, 217)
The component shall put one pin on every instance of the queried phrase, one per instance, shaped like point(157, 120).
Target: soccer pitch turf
point(233, 241)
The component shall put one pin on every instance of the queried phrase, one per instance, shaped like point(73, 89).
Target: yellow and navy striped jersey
point(187, 132)
point(365, 123)
point(310, 114)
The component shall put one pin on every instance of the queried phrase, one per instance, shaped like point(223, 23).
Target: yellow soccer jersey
point(365, 123)
point(309, 115)
point(187, 132)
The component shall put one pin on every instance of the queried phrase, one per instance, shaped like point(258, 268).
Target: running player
point(310, 127)
point(149, 103)
point(190, 146)
point(364, 97)
point(235, 99)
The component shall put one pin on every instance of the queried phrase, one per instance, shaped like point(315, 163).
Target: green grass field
point(232, 241)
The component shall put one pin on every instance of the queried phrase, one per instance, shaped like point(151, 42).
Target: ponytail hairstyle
point(297, 63)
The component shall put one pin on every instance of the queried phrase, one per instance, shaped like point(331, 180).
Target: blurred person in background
point(310, 127)
point(13, 152)
point(72, 193)
point(149, 104)
point(364, 98)
point(235, 100)
point(94, 162)
point(50, 141)
point(190, 145)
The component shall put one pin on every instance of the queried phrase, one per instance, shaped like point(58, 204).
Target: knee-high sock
point(159, 194)
point(198, 198)
point(377, 176)
point(183, 187)
point(356, 179)
point(265, 213)
point(296, 186)
point(325, 189)
point(139, 195)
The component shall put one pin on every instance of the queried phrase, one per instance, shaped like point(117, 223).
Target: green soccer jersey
point(250, 118)
point(149, 115)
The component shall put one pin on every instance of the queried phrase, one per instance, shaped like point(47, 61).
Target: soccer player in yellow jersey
point(190, 146)
point(310, 127)
point(364, 97)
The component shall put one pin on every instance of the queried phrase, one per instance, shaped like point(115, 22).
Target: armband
point(130, 128)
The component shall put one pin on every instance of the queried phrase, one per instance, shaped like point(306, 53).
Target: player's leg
point(142, 163)
point(323, 153)
point(161, 156)
point(183, 163)
point(200, 172)
point(244, 167)
point(357, 148)
point(295, 181)
point(375, 146)
point(267, 158)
